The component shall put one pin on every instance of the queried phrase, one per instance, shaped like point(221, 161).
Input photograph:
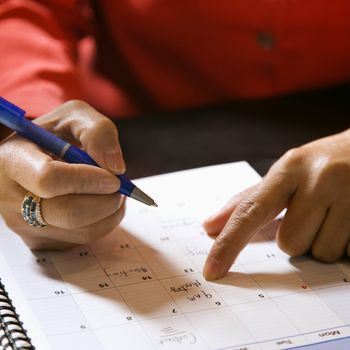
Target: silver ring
point(31, 210)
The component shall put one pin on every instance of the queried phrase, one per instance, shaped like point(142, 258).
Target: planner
point(141, 286)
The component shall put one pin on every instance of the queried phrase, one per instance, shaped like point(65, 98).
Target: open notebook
point(141, 287)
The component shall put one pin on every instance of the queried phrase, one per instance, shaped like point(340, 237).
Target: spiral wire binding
point(12, 334)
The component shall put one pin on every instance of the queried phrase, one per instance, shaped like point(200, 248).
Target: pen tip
point(143, 197)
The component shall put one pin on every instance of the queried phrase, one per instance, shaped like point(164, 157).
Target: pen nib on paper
point(143, 197)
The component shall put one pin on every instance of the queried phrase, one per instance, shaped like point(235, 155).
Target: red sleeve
point(38, 43)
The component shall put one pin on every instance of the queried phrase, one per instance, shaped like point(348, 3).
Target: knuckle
point(103, 228)
point(331, 171)
point(71, 213)
point(99, 131)
point(90, 235)
point(82, 181)
point(293, 157)
point(287, 169)
point(90, 181)
point(221, 242)
point(71, 219)
point(289, 163)
point(323, 252)
point(82, 236)
point(292, 245)
point(248, 210)
point(44, 182)
point(75, 104)
point(105, 122)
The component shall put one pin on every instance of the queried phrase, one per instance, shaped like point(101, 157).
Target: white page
point(141, 287)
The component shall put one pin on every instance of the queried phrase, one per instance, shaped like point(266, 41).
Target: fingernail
point(212, 269)
point(108, 185)
point(115, 162)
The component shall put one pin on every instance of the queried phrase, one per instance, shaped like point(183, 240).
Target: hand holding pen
point(80, 202)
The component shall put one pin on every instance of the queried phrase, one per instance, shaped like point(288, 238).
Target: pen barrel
point(126, 186)
point(13, 117)
point(10, 115)
point(40, 136)
point(75, 155)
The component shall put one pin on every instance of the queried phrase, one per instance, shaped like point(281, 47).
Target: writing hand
point(313, 183)
point(79, 202)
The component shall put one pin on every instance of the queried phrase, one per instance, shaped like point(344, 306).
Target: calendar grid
point(141, 286)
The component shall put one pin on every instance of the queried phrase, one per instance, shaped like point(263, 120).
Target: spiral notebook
point(141, 286)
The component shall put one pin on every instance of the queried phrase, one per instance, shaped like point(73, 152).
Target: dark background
point(256, 131)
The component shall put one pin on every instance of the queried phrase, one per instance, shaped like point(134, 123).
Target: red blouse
point(168, 54)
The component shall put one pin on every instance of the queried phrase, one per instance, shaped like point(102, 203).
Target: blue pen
point(14, 118)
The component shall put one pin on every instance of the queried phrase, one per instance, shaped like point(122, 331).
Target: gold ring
point(31, 210)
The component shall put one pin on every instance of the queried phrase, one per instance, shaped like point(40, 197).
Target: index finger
point(250, 216)
point(96, 134)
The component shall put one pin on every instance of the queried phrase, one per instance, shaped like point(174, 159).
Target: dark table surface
point(257, 131)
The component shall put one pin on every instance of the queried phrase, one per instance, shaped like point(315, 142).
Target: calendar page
point(141, 287)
